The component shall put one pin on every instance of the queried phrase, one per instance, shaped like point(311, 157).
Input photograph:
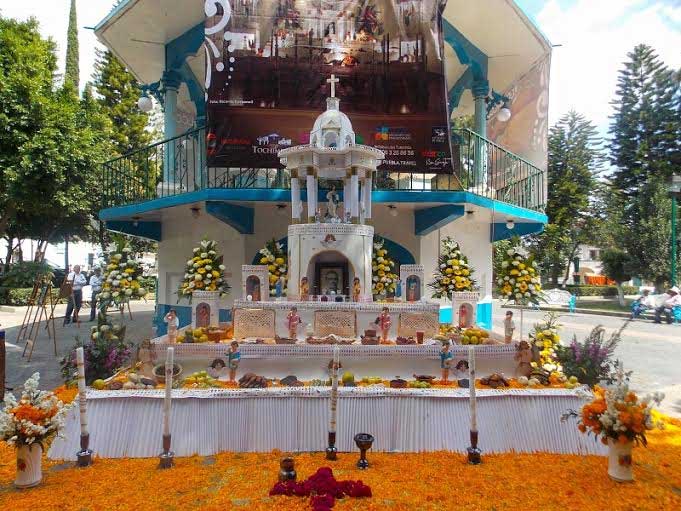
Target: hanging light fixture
point(392, 210)
point(504, 113)
point(145, 103)
point(469, 214)
point(281, 209)
point(510, 224)
point(196, 212)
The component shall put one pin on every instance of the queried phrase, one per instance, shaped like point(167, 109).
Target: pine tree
point(575, 160)
point(645, 127)
point(71, 71)
point(119, 91)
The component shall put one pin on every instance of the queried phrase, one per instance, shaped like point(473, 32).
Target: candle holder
point(363, 441)
point(166, 458)
point(331, 451)
point(287, 469)
point(474, 453)
point(84, 456)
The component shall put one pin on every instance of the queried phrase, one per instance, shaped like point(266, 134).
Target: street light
point(675, 192)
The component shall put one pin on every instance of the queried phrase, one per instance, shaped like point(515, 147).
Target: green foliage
point(72, 69)
point(605, 291)
point(575, 160)
point(20, 296)
point(616, 264)
point(118, 92)
point(24, 274)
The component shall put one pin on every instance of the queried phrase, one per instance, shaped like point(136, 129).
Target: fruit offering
point(200, 380)
point(474, 336)
point(348, 379)
point(495, 380)
point(371, 380)
point(418, 384)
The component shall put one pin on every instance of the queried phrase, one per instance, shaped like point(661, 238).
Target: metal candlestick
point(474, 452)
point(84, 456)
point(166, 458)
point(331, 451)
point(363, 441)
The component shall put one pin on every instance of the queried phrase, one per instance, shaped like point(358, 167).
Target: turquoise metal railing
point(178, 165)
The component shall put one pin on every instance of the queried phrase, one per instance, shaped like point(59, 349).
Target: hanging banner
point(267, 65)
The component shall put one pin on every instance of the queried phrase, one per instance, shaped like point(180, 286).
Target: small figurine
point(216, 367)
point(332, 203)
point(524, 358)
point(445, 361)
point(384, 323)
point(279, 287)
point(292, 322)
point(461, 369)
point(509, 327)
point(173, 324)
point(304, 289)
point(356, 289)
point(398, 289)
point(234, 359)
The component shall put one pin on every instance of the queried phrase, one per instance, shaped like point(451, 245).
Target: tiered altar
point(287, 352)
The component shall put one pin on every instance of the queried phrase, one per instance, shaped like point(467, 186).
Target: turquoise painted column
point(201, 171)
point(480, 91)
point(171, 83)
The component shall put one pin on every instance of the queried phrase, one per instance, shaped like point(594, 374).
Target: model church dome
point(332, 129)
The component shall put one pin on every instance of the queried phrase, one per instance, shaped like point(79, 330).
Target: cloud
point(596, 37)
point(53, 16)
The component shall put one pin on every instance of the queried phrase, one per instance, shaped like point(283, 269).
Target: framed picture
point(332, 278)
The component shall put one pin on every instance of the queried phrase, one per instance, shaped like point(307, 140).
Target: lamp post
point(675, 192)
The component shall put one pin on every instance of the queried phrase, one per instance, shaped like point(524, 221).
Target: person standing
point(96, 285)
point(77, 280)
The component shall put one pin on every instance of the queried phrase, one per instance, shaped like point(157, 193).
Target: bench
point(649, 313)
point(558, 297)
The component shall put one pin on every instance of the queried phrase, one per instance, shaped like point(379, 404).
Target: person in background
point(77, 280)
point(642, 304)
point(509, 327)
point(671, 300)
point(96, 284)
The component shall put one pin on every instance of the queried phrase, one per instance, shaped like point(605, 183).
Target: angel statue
point(332, 202)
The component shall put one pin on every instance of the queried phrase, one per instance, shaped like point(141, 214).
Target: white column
point(367, 197)
point(346, 195)
point(295, 196)
point(362, 201)
point(354, 194)
point(311, 195)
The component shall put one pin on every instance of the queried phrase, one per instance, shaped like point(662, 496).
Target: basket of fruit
point(405, 340)
point(424, 377)
point(200, 380)
point(160, 372)
point(398, 383)
point(366, 340)
point(252, 381)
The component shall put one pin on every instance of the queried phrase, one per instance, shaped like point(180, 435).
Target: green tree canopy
point(72, 69)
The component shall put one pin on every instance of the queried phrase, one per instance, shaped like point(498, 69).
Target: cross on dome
point(333, 81)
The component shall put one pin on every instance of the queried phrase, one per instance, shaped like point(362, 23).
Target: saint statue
point(332, 202)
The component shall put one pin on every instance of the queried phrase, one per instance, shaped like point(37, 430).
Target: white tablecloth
point(129, 424)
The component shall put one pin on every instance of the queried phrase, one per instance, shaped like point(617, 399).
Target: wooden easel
point(36, 313)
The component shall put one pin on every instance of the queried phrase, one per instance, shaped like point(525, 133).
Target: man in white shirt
point(672, 298)
point(642, 304)
point(77, 280)
point(96, 284)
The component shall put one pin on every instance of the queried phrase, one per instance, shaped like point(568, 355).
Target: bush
point(24, 274)
point(20, 296)
point(605, 291)
point(591, 360)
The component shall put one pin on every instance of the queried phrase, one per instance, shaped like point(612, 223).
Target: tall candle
point(471, 386)
point(334, 389)
point(80, 364)
point(170, 355)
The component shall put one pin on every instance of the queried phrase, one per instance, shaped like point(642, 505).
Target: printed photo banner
point(268, 62)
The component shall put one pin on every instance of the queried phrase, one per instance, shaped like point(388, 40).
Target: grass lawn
point(608, 305)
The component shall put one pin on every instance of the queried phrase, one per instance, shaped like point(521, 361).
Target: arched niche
point(330, 272)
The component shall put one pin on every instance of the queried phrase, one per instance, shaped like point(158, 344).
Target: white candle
point(334, 389)
point(169, 385)
point(80, 364)
point(471, 386)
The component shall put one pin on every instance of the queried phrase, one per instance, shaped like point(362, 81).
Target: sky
point(595, 37)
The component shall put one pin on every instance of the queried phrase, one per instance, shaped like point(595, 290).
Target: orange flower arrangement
point(617, 413)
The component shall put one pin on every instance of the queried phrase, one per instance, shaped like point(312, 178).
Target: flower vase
point(29, 466)
point(619, 461)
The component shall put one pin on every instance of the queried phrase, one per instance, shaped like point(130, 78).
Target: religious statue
point(216, 367)
point(234, 358)
point(304, 289)
point(279, 286)
point(356, 289)
point(412, 289)
point(398, 289)
point(524, 358)
point(446, 357)
point(292, 322)
point(384, 322)
point(173, 323)
point(332, 203)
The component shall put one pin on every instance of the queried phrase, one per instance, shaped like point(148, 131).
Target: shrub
point(20, 296)
point(24, 274)
point(605, 291)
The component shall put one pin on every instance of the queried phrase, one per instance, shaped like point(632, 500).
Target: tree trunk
point(620, 294)
point(570, 259)
point(7, 215)
point(8, 257)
